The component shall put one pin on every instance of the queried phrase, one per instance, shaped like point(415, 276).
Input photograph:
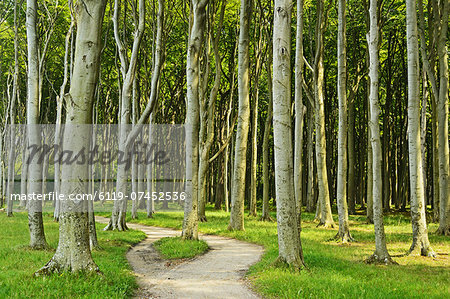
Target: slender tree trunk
point(289, 243)
point(344, 231)
point(418, 217)
point(190, 222)
point(238, 186)
point(128, 70)
point(326, 218)
point(381, 254)
point(265, 147)
point(35, 222)
point(299, 110)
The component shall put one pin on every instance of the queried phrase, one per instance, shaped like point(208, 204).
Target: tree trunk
point(238, 186)
point(289, 244)
point(73, 252)
point(128, 70)
point(418, 217)
point(381, 254)
point(442, 108)
point(265, 147)
point(190, 221)
point(344, 231)
point(299, 110)
point(326, 218)
point(35, 222)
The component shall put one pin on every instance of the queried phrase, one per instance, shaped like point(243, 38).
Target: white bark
point(418, 217)
point(128, 70)
point(381, 254)
point(344, 231)
point(238, 185)
point(289, 245)
point(326, 218)
point(73, 252)
point(299, 109)
point(35, 223)
point(190, 221)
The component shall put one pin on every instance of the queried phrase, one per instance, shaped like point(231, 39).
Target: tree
point(299, 109)
point(73, 252)
point(344, 231)
point(190, 221)
point(240, 158)
point(289, 243)
point(326, 218)
point(128, 70)
point(35, 222)
point(418, 217)
point(381, 254)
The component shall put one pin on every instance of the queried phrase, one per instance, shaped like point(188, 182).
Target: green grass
point(335, 270)
point(18, 263)
point(176, 248)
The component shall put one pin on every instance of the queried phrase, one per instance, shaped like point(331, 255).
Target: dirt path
point(217, 274)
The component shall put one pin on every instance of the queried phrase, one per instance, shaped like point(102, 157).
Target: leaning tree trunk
point(381, 254)
point(128, 69)
point(190, 221)
point(289, 244)
point(73, 252)
point(418, 217)
point(35, 222)
point(344, 231)
point(240, 165)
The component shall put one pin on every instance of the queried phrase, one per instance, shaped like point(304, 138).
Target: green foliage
point(334, 270)
point(176, 248)
point(18, 264)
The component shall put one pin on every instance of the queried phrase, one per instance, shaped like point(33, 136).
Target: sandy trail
point(217, 274)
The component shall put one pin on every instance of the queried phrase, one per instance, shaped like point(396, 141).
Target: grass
point(335, 270)
point(18, 263)
point(176, 248)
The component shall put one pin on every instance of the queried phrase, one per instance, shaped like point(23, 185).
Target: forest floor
point(335, 270)
point(18, 263)
point(218, 273)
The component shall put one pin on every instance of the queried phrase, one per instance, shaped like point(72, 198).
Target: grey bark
point(73, 252)
point(35, 222)
point(289, 244)
point(238, 185)
point(418, 217)
point(381, 254)
point(190, 221)
point(344, 230)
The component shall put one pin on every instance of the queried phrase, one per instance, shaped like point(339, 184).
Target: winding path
point(217, 274)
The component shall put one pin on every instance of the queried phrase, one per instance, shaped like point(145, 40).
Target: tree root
point(266, 218)
point(326, 224)
point(444, 231)
point(55, 267)
point(377, 260)
point(202, 219)
point(344, 238)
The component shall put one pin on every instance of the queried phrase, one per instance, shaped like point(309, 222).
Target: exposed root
point(377, 260)
point(417, 250)
point(297, 266)
point(326, 224)
point(202, 219)
point(54, 267)
point(343, 237)
point(266, 218)
point(444, 231)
